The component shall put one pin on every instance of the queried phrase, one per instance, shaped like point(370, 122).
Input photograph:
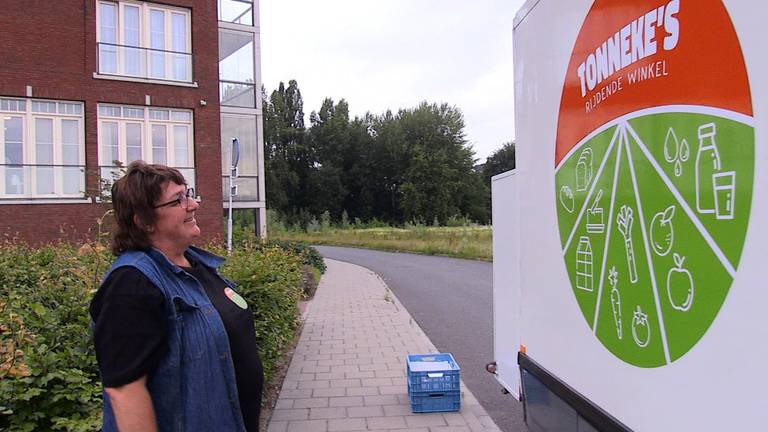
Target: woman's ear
point(137, 221)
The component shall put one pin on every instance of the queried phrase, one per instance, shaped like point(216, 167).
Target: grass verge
point(473, 242)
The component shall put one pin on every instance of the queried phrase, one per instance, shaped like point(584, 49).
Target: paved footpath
point(348, 370)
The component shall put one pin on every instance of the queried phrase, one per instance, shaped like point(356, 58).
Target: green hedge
point(244, 237)
point(48, 373)
point(269, 278)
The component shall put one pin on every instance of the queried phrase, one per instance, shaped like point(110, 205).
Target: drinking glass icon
point(724, 185)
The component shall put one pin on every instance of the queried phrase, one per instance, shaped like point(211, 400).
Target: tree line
point(414, 165)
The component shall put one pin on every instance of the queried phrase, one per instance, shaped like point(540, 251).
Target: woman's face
point(175, 225)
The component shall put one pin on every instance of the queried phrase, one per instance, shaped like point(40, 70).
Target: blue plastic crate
point(433, 373)
point(427, 402)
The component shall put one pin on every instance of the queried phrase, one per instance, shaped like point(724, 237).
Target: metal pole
point(229, 219)
point(232, 189)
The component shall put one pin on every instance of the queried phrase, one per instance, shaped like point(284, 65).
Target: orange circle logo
point(631, 55)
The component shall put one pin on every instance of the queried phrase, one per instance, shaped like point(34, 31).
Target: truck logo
point(652, 138)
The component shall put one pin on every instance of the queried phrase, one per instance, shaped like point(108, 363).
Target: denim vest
point(193, 388)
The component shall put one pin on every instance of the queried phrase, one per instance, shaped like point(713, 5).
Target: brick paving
point(348, 371)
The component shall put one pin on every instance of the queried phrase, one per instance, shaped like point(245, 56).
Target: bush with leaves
point(48, 374)
point(269, 278)
point(309, 255)
point(245, 237)
point(49, 378)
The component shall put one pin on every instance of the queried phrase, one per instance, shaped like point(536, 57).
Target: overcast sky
point(393, 54)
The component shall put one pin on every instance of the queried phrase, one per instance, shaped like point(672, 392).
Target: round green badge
point(236, 298)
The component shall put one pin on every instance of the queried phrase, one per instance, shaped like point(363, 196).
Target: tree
point(287, 158)
point(330, 140)
point(500, 161)
point(413, 165)
point(384, 156)
point(439, 181)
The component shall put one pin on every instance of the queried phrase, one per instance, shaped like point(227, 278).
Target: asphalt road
point(451, 299)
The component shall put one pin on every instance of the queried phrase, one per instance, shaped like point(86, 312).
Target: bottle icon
point(707, 165)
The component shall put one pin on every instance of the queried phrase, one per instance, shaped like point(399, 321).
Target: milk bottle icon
point(715, 190)
point(707, 165)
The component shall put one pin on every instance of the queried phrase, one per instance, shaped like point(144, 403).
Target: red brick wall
point(51, 46)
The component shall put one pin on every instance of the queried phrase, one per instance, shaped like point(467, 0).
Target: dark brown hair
point(135, 194)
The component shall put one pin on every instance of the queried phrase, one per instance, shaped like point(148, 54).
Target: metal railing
point(236, 11)
point(144, 63)
point(247, 187)
point(238, 94)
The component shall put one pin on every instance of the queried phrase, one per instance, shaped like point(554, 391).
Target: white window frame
point(146, 135)
point(29, 149)
point(145, 42)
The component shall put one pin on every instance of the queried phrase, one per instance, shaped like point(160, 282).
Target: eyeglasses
point(182, 199)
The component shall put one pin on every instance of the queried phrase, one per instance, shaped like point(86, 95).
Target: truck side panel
point(720, 383)
point(506, 281)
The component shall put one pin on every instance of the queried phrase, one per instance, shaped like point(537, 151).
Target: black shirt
point(131, 331)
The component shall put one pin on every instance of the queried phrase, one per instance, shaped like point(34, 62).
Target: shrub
point(270, 280)
point(313, 225)
point(344, 220)
point(325, 221)
point(48, 377)
point(309, 255)
point(48, 373)
point(275, 222)
point(246, 238)
point(459, 221)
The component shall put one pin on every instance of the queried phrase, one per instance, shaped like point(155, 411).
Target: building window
point(144, 40)
point(155, 135)
point(42, 149)
point(244, 128)
point(237, 83)
point(236, 11)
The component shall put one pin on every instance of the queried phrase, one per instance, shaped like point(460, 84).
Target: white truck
point(630, 242)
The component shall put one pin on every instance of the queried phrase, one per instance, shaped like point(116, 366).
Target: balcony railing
point(237, 94)
point(42, 181)
point(144, 63)
point(247, 188)
point(236, 11)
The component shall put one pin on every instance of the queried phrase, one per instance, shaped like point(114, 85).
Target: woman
point(176, 345)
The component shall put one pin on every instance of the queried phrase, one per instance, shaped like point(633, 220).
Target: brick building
point(85, 83)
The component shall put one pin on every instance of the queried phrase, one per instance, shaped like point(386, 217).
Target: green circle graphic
point(653, 211)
